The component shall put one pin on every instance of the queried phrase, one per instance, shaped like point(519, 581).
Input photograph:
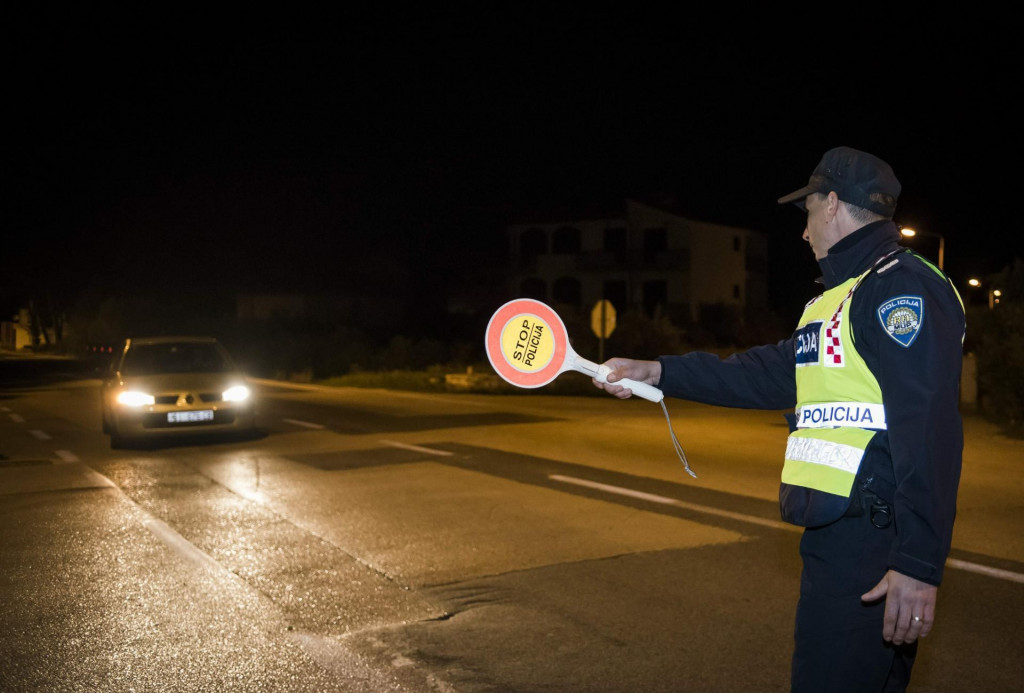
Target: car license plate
point(189, 416)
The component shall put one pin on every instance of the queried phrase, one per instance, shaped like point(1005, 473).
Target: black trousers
point(838, 639)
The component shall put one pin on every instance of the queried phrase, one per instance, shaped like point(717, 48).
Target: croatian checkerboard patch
point(901, 318)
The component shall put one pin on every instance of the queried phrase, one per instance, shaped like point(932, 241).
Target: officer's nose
point(806, 236)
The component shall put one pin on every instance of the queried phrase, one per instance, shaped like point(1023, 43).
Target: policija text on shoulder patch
point(902, 317)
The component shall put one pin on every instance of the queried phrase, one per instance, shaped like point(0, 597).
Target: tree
point(997, 337)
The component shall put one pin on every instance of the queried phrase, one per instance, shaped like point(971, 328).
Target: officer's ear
point(831, 205)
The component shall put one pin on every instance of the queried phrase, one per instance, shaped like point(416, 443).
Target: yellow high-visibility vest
point(839, 407)
point(839, 402)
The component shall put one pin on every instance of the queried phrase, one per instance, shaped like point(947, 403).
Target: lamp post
point(910, 233)
point(993, 294)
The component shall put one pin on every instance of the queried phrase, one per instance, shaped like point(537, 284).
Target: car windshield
point(175, 357)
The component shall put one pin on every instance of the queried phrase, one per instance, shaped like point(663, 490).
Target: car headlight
point(134, 398)
point(237, 393)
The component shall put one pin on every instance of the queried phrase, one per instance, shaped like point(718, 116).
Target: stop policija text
point(529, 339)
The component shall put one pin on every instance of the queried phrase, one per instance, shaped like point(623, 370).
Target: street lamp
point(993, 294)
point(910, 233)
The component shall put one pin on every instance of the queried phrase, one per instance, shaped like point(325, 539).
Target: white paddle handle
point(648, 392)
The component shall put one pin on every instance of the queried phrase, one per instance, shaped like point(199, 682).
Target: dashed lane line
point(305, 424)
point(40, 435)
point(417, 448)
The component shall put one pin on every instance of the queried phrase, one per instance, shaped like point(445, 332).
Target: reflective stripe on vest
point(825, 459)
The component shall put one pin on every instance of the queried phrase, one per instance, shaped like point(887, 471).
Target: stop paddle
point(528, 346)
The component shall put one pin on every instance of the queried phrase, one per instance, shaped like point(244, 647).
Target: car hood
point(183, 382)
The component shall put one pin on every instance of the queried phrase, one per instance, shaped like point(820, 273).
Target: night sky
point(344, 151)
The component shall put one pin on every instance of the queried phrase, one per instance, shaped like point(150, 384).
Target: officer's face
point(820, 232)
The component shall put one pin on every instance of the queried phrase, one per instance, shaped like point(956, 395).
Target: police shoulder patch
point(902, 317)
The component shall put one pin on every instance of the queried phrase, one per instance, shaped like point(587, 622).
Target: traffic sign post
point(602, 321)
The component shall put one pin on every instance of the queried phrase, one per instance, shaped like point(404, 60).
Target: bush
point(419, 381)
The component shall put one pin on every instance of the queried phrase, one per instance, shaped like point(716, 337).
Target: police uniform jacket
point(913, 465)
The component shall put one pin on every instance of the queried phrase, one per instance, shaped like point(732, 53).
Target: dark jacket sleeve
point(920, 389)
point(759, 378)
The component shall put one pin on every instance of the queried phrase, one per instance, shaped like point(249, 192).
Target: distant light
point(997, 292)
point(909, 233)
point(974, 282)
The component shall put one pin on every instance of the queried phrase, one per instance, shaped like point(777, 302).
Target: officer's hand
point(641, 371)
point(905, 598)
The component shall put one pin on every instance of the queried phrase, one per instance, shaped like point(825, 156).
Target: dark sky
point(333, 151)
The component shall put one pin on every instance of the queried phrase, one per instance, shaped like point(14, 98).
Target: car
point(161, 388)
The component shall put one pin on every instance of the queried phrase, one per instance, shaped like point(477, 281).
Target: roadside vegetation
point(346, 355)
point(996, 336)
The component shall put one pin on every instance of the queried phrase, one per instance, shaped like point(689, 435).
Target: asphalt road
point(371, 540)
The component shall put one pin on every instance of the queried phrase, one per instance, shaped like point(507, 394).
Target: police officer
point(873, 459)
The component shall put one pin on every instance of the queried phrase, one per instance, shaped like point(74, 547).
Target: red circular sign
point(508, 361)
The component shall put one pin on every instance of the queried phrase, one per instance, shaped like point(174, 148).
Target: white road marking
point(179, 544)
point(304, 424)
point(417, 448)
point(997, 573)
point(665, 500)
point(333, 656)
point(16, 418)
point(66, 455)
point(41, 435)
point(170, 538)
point(326, 651)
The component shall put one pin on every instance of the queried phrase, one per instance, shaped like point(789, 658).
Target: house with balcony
point(649, 258)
